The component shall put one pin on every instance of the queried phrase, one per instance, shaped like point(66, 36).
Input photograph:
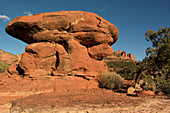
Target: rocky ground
point(57, 95)
point(83, 101)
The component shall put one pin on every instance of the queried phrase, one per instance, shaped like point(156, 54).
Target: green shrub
point(125, 69)
point(155, 83)
point(148, 82)
point(111, 80)
point(3, 66)
point(163, 84)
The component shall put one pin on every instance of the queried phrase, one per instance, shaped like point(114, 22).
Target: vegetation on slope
point(6, 59)
point(3, 66)
point(154, 70)
point(156, 65)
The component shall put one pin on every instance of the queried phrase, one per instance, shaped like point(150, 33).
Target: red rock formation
point(132, 57)
point(100, 51)
point(87, 28)
point(122, 55)
point(38, 59)
point(63, 43)
point(118, 53)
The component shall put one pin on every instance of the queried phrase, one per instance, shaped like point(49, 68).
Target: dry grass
point(111, 80)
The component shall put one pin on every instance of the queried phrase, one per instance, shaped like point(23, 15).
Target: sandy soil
point(83, 101)
point(71, 95)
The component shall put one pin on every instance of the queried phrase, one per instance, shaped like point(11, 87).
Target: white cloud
point(4, 17)
point(103, 9)
point(28, 13)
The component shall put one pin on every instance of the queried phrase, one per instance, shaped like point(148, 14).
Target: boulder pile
point(63, 43)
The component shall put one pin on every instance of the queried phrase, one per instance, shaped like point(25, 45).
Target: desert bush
point(148, 82)
point(155, 83)
point(155, 68)
point(3, 66)
point(125, 69)
point(163, 84)
point(111, 80)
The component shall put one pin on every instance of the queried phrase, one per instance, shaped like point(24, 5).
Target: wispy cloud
point(103, 9)
point(27, 13)
point(4, 17)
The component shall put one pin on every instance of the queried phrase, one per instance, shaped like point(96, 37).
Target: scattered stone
point(149, 92)
point(145, 93)
point(138, 87)
point(131, 91)
point(160, 93)
point(129, 83)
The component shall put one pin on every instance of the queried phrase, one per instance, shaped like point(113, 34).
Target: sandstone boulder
point(38, 59)
point(100, 51)
point(46, 58)
point(86, 27)
point(145, 93)
point(63, 43)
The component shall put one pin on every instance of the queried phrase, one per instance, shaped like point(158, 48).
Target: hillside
point(122, 63)
point(8, 57)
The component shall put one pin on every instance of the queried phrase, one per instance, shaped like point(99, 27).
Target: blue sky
point(132, 17)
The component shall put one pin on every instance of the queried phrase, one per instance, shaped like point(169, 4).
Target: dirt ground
point(83, 101)
point(72, 95)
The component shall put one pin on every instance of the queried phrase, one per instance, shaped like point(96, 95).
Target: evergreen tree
point(158, 59)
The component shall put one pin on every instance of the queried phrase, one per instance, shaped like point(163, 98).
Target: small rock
point(131, 91)
point(160, 93)
point(146, 93)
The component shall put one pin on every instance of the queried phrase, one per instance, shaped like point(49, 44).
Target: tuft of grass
point(3, 66)
point(111, 80)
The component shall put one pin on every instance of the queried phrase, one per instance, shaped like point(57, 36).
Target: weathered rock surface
point(63, 43)
point(100, 51)
point(46, 58)
point(86, 27)
point(38, 59)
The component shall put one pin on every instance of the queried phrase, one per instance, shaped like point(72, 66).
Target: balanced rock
point(64, 42)
point(87, 28)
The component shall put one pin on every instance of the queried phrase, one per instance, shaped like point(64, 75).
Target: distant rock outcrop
point(132, 57)
point(63, 43)
point(122, 55)
point(7, 57)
